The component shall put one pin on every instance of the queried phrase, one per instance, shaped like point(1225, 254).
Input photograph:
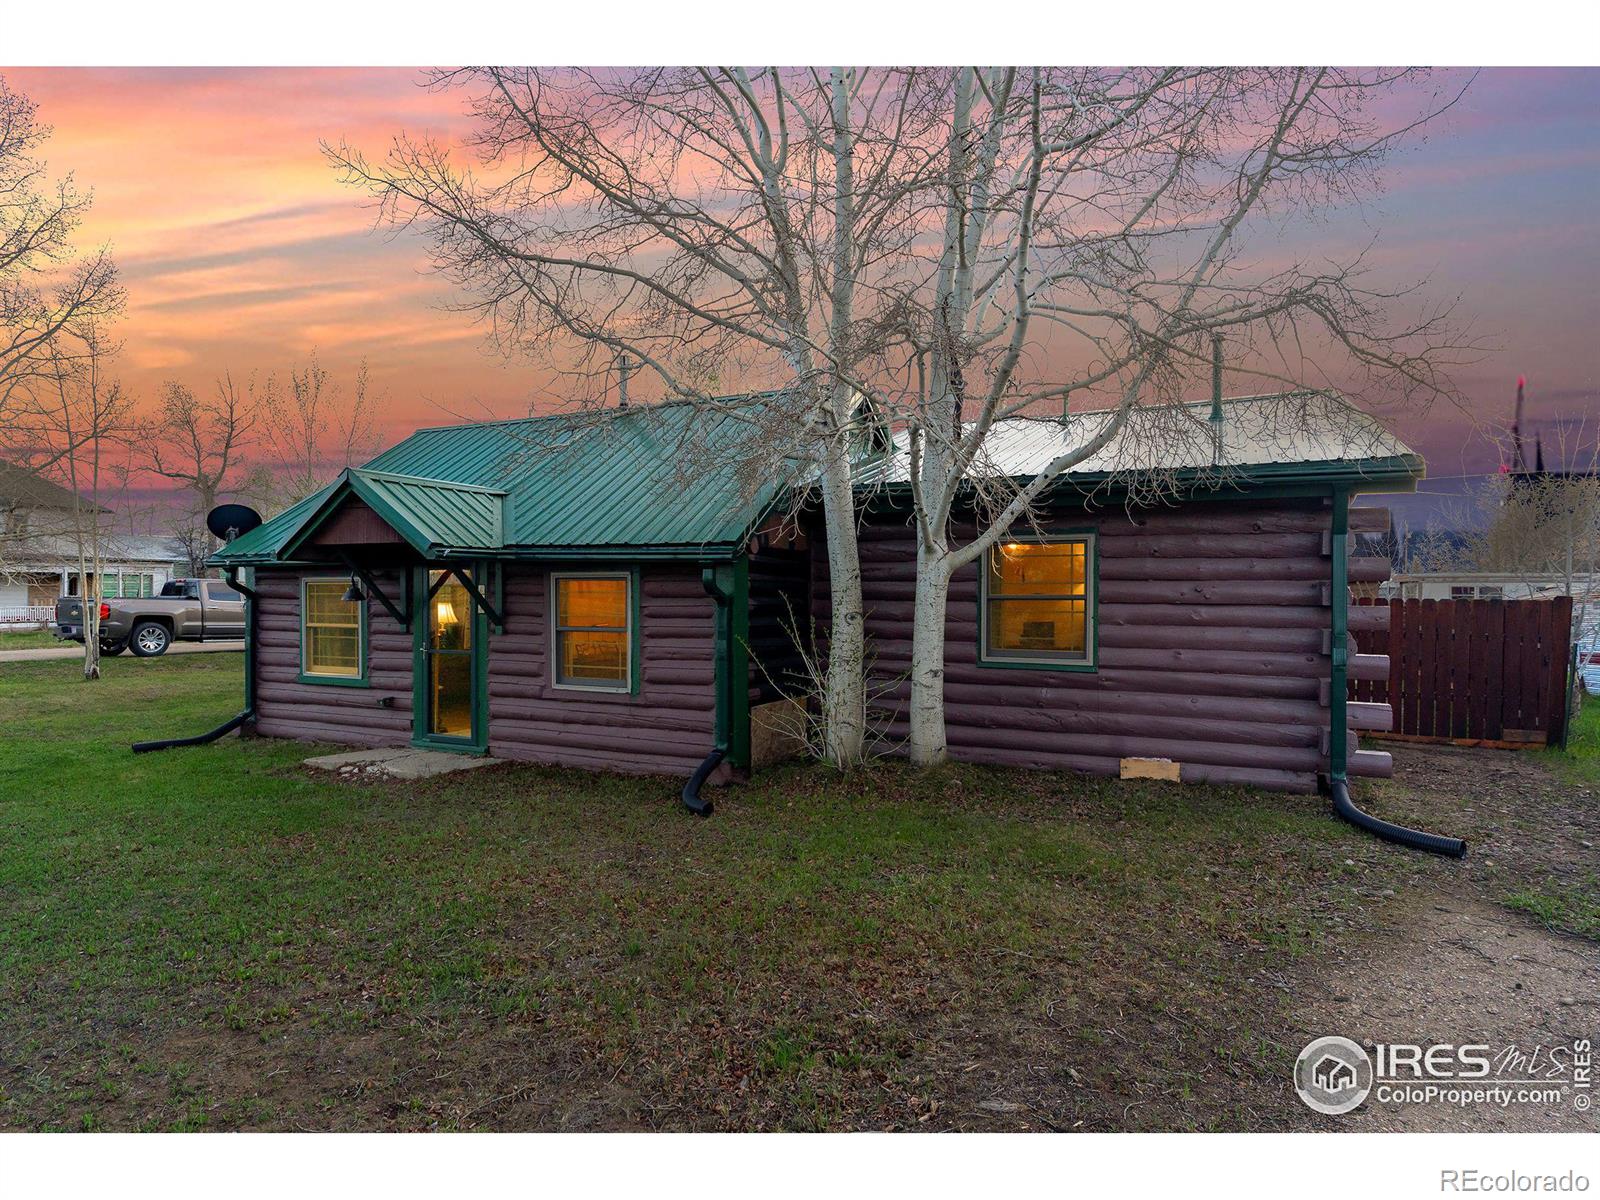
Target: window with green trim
point(1038, 602)
point(331, 635)
point(592, 631)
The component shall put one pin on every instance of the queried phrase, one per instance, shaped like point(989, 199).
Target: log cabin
point(593, 605)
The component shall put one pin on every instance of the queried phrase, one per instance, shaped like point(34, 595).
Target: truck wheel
point(112, 649)
point(150, 639)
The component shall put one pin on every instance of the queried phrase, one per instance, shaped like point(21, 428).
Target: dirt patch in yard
point(1448, 960)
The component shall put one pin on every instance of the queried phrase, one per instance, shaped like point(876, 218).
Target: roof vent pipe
point(1216, 378)
point(624, 369)
point(1216, 399)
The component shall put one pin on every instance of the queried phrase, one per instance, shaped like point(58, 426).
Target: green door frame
point(420, 736)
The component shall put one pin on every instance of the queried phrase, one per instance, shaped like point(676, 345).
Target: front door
point(448, 712)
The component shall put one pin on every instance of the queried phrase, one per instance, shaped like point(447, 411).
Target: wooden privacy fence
point(1473, 670)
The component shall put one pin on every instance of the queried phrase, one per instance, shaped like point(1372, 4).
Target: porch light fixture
point(353, 594)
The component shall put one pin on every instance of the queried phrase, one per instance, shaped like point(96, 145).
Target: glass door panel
point(448, 653)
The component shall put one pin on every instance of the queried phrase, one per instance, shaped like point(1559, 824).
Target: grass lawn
point(29, 639)
point(217, 938)
point(1581, 759)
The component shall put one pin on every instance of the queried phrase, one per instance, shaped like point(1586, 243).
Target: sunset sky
point(241, 251)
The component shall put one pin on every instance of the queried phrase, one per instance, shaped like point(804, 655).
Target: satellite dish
point(228, 521)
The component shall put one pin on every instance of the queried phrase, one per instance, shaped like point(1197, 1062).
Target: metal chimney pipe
point(1216, 377)
point(624, 369)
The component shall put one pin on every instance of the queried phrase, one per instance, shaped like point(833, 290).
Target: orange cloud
point(239, 248)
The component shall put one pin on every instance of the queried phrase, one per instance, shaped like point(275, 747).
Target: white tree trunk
point(927, 746)
point(844, 693)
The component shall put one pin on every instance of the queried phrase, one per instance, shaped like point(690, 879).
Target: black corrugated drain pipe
point(1416, 839)
point(699, 805)
point(200, 739)
point(723, 595)
point(249, 713)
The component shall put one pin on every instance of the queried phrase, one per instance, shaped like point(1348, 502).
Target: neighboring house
point(603, 608)
point(39, 553)
point(1487, 585)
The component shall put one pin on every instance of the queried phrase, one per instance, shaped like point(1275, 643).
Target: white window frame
point(629, 582)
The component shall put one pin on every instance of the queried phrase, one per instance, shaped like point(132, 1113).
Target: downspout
point(722, 593)
point(249, 713)
point(1338, 698)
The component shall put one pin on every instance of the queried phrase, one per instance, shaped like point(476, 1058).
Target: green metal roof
point(681, 479)
point(665, 478)
point(431, 514)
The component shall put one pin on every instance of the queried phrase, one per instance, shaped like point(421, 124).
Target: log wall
point(322, 712)
point(1213, 634)
point(780, 608)
point(667, 728)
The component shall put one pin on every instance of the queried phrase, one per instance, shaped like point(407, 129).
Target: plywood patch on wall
point(1150, 768)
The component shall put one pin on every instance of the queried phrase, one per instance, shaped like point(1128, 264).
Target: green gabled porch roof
point(432, 515)
point(661, 480)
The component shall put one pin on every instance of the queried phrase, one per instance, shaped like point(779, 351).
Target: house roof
point(1290, 434)
point(432, 515)
point(681, 479)
point(53, 551)
point(663, 478)
point(22, 488)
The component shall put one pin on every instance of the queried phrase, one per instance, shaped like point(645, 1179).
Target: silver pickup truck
point(187, 610)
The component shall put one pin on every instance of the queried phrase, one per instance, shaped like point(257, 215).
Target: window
point(593, 631)
point(1038, 603)
point(332, 631)
point(1462, 591)
point(217, 592)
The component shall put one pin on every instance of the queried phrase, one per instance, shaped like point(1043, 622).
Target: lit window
point(330, 630)
point(593, 631)
point(1038, 602)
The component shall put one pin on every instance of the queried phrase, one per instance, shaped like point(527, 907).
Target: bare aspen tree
point(312, 424)
point(83, 418)
point(57, 412)
point(45, 288)
point(199, 445)
point(1102, 217)
point(1542, 526)
point(939, 250)
point(717, 227)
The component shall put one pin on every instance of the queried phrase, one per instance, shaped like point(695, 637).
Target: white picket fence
point(23, 615)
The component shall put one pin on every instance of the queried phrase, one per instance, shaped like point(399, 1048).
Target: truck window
point(219, 593)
